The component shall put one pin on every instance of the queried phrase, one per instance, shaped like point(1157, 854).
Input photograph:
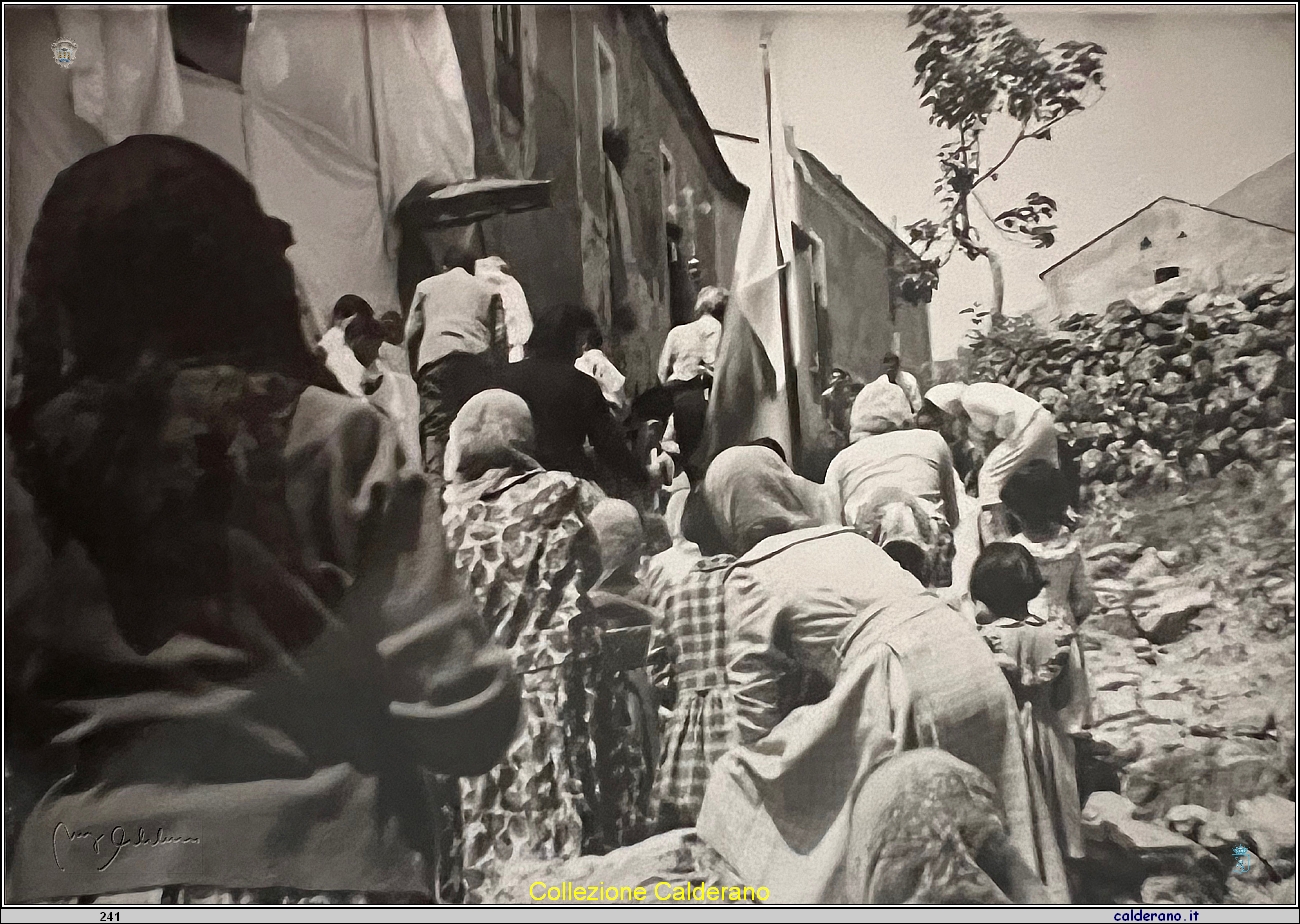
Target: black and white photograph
point(701, 456)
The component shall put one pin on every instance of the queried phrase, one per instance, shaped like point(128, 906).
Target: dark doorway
point(210, 38)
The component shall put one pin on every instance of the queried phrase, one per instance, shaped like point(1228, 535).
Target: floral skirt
point(575, 780)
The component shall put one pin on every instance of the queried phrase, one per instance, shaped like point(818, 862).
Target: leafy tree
point(974, 64)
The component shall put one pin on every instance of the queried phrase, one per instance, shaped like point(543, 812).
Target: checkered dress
point(690, 659)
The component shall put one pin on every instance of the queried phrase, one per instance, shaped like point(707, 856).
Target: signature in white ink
point(108, 844)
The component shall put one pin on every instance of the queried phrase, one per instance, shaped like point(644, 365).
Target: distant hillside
point(1267, 196)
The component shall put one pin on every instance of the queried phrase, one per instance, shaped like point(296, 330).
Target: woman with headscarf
point(895, 485)
point(523, 545)
point(249, 614)
point(624, 722)
point(907, 672)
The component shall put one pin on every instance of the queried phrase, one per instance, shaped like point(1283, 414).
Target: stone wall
point(1169, 385)
point(1180, 407)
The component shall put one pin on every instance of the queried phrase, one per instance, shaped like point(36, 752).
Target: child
point(1037, 497)
point(688, 663)
point(1034, 653)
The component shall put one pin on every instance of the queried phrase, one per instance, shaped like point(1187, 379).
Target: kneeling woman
point(907, 672)
point(525, 549)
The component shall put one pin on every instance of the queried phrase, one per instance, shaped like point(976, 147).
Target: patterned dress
point(1035, 655)
point(691, 662)
point(927, 820)
point(1068, 598)
point(523, 547)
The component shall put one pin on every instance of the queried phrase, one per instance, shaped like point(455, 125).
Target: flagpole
point(791, 382)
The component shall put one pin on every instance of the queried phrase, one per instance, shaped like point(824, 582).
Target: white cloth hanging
point(124, 76)
point(422, 125)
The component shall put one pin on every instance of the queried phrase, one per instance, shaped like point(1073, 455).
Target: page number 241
point(110, 915)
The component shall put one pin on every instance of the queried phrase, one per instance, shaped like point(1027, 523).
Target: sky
point(1197, 99)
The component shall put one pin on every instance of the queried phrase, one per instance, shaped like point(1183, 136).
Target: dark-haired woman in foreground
point(249, 648)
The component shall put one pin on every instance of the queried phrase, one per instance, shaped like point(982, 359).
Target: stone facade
point(1169, 238)
point(592, 77)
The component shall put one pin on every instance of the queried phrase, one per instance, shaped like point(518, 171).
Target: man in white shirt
point(456, 339)
point(904, 380)
point(518, 316)
point(686, 366)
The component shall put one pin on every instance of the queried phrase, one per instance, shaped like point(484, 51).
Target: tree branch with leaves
point(973, 64)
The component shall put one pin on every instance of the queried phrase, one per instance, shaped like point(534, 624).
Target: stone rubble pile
point(1188, 767)
point(1165, 385)
point(1192, 855)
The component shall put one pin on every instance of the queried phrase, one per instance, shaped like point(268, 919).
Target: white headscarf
point(493, 431)
point(879, 408)
point(619, 533)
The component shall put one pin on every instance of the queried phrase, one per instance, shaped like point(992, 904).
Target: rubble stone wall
point(1179, 405)
point(1170, 384)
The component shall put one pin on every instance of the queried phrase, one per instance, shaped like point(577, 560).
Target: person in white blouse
point(1015, 428)
point(686, 366)
point(887, 459)
point(691, 349)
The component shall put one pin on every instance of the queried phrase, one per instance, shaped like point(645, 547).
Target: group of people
point(392, 618)
point(817, 653)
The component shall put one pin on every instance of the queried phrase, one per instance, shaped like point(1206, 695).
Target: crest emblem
point(65, 52)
